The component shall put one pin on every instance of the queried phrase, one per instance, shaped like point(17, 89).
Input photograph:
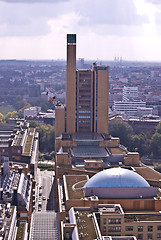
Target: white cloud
point(105, 28)
point(33, 1)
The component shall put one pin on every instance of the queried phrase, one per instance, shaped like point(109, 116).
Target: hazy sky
point(36, 29)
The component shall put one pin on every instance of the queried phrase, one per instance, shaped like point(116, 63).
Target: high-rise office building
point(86, 95)
point(81, 126)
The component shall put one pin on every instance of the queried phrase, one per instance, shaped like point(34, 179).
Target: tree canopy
point(120, 129)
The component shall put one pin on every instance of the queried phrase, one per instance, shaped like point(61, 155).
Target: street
point(45, 191)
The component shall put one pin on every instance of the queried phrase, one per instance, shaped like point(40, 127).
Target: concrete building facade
point(86, 96)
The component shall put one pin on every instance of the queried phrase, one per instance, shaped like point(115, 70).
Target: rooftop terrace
point(85, 225)
point(75, 191)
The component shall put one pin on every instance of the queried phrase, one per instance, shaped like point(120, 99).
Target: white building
point(130, 93)
point(128, 107)
point(31, 111)
point(144, 111)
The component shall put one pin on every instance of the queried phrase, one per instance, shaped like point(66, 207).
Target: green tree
point(2, 118)
point(158, 127)
point(157, 167)
point(13, 114)
point(46, 136)
point(140, 143)
point(34, 124)
point(122, 130)
point(21, 111)
point(156, 144)
point(19, 102)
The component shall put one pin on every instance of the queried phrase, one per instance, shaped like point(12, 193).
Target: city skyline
point(37, 29)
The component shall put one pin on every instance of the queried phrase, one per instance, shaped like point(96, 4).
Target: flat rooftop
point(92, 151)
point(142, 217)
point(110, 209)
point(148, 173)
point(44, 225)
point(73, 181)
point(86, 136)
point(85, 226)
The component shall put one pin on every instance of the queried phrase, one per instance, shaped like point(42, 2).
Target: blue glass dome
point(116, 177)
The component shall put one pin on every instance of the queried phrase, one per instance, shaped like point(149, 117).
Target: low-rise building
point(20, 144)
point(128, 107)
point(8, 222)
point(17, 189)
point(115, 202)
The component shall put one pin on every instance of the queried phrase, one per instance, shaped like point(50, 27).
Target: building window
point(150, 228)
point(104, 229)
point(129, 228)
point(140, 228)
point(159, 228)
point(104, 220)
point(114, 220)
point(140, 236)
point(159, 235)
point(114, 229)
point(150, 236)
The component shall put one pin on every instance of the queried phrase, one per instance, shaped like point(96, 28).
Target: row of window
point(140, 228)
point(140, 236)
point(84, 90)
point(129, 228)
point(84, 111)
point(84, 101)
point(84, 121)
point(84, 106)
point(84, 96)
point(85, 75)
point(80, 116)
point(84, 85)
point(112, 229)
point(85, 80)
point(112, 221)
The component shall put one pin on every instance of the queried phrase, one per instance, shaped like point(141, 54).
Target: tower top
point(71, 38)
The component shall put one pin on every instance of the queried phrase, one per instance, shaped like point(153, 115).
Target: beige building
point(109, 221)
point(86, 96)
point(131, 216)
point(83, 148)
point(81, 126)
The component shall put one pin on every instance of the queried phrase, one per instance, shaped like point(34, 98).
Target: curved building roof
point(116, 177)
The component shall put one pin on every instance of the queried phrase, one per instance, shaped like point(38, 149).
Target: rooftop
point(89, 150)
point(85, 226)
point(44, 225)
point(142, 217)
point(75, 192)
point(27, 150)
point(148, 173)
point(87, 136)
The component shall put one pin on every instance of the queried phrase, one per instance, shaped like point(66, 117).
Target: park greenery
point(46, 136)
point(146, 143)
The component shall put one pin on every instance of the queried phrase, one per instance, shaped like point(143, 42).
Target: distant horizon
point(37, 29)
point(85, 60)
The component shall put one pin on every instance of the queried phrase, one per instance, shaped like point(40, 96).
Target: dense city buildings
point(99, 190)
point(101, 186)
